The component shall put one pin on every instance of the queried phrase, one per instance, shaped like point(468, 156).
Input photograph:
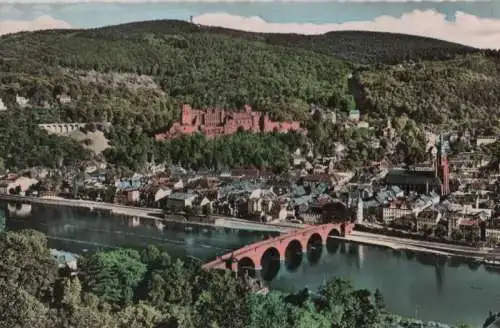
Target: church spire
point(442, 168)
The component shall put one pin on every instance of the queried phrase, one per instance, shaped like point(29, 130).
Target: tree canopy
point(147, 289)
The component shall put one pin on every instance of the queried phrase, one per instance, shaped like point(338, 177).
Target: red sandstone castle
point(217, 122)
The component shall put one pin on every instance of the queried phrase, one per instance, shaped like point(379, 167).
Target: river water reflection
point(429, 287)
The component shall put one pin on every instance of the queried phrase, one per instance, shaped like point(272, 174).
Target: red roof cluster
point(216, 122)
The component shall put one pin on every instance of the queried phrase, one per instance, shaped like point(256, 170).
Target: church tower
point(359, 211)
point(442, 167)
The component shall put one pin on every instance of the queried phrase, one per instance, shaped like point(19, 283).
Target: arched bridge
point(65, 128)
point(254, 255)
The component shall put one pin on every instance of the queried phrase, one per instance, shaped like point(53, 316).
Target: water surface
point(449, 290)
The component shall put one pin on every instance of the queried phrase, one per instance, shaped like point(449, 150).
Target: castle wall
point(215, 122)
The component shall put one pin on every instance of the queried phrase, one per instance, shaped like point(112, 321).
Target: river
point(433, 288)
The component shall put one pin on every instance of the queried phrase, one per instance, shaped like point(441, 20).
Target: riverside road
point(414, 245)
point(153, 213)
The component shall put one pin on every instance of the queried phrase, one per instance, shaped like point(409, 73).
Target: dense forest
point(459, 92)
point(196, 152)
point(146, 288)
point(23, 144)
point(358, 47)
point(192, 68)
point(137, 75)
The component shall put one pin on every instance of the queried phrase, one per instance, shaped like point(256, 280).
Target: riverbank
point(156, 214)
point(398, 243)
point(357, 236)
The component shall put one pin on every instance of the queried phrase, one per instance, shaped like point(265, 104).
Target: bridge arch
point(314, 248)
point(270, 263)
point(335, 232)
point(332, 243)
point(293, 254)
point(246, 266)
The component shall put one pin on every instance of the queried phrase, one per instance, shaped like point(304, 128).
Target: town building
point(21, 101)
point(179, 201)
point(13, 184)
point(64, 99)
point(485, 140)
point(424, 179)
point(429, 217)
point(354, 115)
point(217, 122)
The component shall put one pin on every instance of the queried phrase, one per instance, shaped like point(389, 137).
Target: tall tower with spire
point(442, 166)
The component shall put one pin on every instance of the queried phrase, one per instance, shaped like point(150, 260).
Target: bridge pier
point(282, 271)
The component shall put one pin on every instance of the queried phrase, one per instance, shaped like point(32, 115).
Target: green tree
point(139, 316)
point(114, 275)
point(220, 298)
point(207, 210)
point(170, 285)
point(19, 308)
point(307, 316)
point(27, 262)
point(440, 231)
point(457, 235)
point(269, 311)
point(67, 292)
point(379, 300)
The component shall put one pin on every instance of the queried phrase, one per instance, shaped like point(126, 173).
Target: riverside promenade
point(154, 214)
point(398, 243)
point(91, 205)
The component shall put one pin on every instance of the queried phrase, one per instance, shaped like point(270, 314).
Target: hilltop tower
point(442, 166)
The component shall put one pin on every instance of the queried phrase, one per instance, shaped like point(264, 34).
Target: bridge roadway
point(294, 241)
point(154, 213)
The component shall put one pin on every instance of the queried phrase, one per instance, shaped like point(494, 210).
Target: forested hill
point(359, 47)
point(202, 69)
point(137, 75)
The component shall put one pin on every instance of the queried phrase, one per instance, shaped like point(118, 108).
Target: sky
point(474, 23)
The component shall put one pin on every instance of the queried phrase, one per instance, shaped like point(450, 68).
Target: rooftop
point(181, 196)
point(408, 177)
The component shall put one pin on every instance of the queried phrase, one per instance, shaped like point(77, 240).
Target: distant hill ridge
point(361, 47)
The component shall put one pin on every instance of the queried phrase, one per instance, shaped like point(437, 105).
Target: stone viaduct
point(252, 255)
point(65, 128)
